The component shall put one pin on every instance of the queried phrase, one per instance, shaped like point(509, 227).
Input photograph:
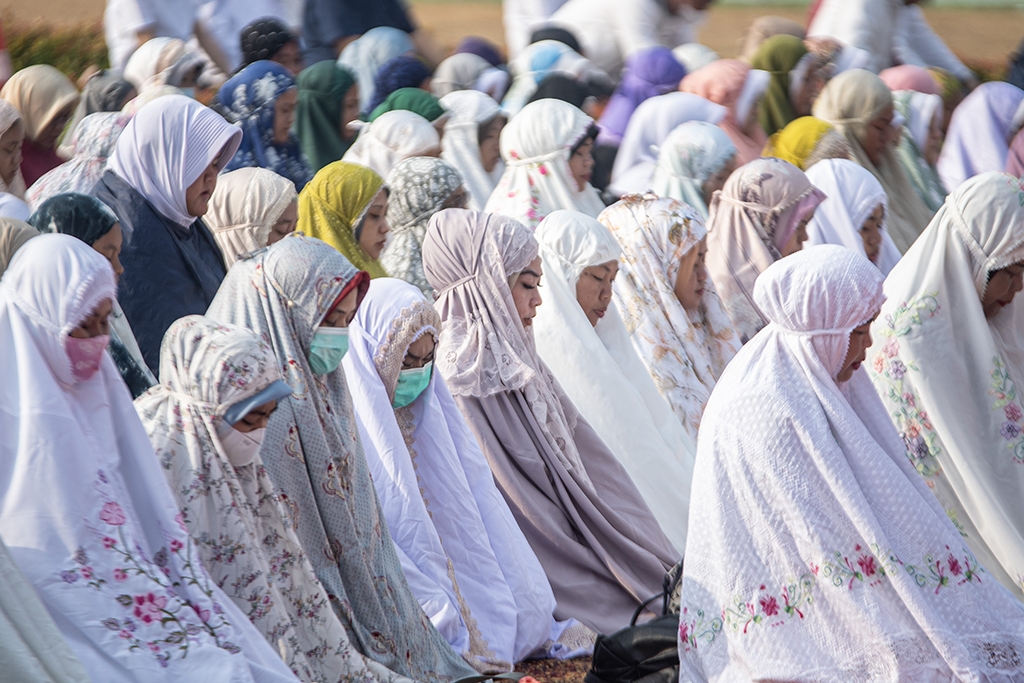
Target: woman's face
point(197, 195)
point(349, 112)
point(290, 57)
point(879, 134)
point(717, 180)
point(110, 246)
point(933, 146)
point(693, 275)
point(1003, 285)
point(48, 136)
point(10, 151)
point(374, 230)
point(419, 353)
point(809, 92)
point(871, 234)
point(594, 290)
point(97, 322)
point(285, 224)
point(284, 115)
point(796, 242)
point(526, 292)
point(860, 342)
point(257, 418)
point(581, 164)
point(343, 312)
point(489, 135)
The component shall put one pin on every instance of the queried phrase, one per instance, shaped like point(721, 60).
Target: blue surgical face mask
point(327, 349)
point(411, 384)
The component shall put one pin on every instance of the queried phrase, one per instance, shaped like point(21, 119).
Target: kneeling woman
point(600, 545)
point(463, 553)
point(580, 335)
point(816, 551)
point(951, 363)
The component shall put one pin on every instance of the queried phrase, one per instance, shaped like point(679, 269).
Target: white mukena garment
point(604, 377)
point(852, 193)
point(87, 514)
point(815, 551)
point(949, 377)
point(467, 562)
point(460, 145)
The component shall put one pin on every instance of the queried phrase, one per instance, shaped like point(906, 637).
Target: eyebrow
point(530, 272)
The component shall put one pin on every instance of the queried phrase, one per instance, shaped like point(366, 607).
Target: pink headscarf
point(723, 82)
point(910, 77)
point(1015, 158)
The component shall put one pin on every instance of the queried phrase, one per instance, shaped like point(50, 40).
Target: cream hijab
point(244, 208)
point(604, 377)
point(13, 235)
point(39, 92)
point(9, 115)
point(849, 102)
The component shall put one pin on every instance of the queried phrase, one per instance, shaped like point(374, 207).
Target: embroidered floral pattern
point(764, 608)
point(870, 566)
point(1006, 401)
point(888, 372)
point(695, 626)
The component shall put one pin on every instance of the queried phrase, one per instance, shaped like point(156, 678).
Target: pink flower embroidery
point(112, 514)
point(203, 614)
point(543, 169)
point(891, 348)
point(770, 606)
point(109, 542)
point(867, 565)
point(954, 565)
point(175, 545)
point(120, 575)
point(878, 363)
point(153, 646)
point(1013, 412)
point(181, 522)
point(148, 607)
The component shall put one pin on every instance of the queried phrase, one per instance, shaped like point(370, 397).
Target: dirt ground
point(986, 34)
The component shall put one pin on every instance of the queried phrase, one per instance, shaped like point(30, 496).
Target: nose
point(537, 300)
point(702, 274)
point(868, 341)
point(384, 227)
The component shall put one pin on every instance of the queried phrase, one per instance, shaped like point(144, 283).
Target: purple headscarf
point(650, 72)
point(481, 47)
point(404, 71)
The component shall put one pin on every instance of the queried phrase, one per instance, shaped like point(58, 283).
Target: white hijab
point(536, 146)
point(460, 146)
point(160, 61)
point(816, 552)
point(949, 376)
point(690, 155)
point(604, 377)
point(244, 208)
point(9, 115)
point(87, 514)
point(852, 193)
point(648, 128)
point(468, 563)
point(167, 146)
point(393, 137)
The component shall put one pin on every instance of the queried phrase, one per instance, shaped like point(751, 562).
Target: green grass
point(70, 49)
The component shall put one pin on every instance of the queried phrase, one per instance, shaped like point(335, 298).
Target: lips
point(527, 322)
point(599, 312)
point(699, 292)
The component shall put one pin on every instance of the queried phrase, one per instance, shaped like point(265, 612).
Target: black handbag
point(647, 653)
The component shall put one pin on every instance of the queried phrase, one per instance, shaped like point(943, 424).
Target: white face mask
point(241, 447)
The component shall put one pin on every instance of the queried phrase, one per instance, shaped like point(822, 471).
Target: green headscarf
point(411, 99)
point(322, 89)
point(778, 56)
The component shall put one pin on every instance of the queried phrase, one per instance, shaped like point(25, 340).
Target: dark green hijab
point(778, 56)
point(322, 89)
point(411, 99)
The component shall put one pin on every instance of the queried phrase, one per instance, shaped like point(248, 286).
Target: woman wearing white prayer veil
point(854, 212)
point(648, 128)
point(393, 137)
point(949, 361)
point(581, 337)
point(251, 208)
point(87, 514)
point(547, 148)
point(815, 551)
point(471, 142)
point(468, 563)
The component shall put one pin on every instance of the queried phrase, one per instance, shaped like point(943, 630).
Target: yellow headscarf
point(798, 142)
point(332, 205)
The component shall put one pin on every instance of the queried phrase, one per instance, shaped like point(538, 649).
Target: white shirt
point(124, 19)
point(521, 17)
point(892, 32)
point(610, 31)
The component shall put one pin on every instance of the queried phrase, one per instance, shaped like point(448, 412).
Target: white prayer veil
point(852, 193)
point(393, 137)
point(949, 377)
point(244, 208)
point(815, 551)
point(460, 145)
point(690, 155)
